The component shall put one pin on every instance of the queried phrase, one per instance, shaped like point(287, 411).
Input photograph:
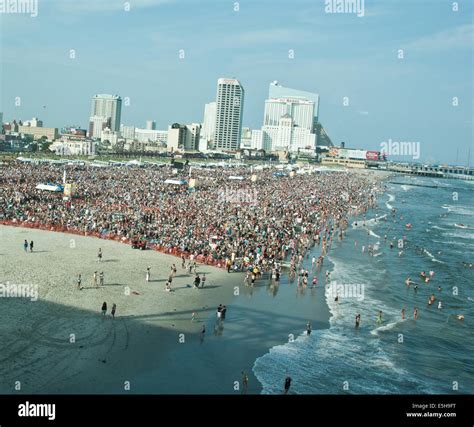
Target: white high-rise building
point(193, 132)
point(229, 108)
point(151, 125)
point(96, 125)
point(208, 128)
point(301, 111)
point(276, 90)
point(287, 126)
point(107, 107)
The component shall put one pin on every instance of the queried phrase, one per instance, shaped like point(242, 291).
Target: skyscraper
point(276, 90)
point(229, 108)
point(150, 125)
point(106, 111)
point(289, 121)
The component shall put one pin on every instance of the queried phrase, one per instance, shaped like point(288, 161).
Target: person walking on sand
point(25, 245)
point(94, 279)
point(79, 282)
point(104, 308)
point(203, 333)
point(99, 255)
point(183, 261)
point(114, 308)
point(245, 382)
point(203, 280)
point(31, 246)
point(101, 278)
point(197, 281)
point(148, 274)
point(287, 384)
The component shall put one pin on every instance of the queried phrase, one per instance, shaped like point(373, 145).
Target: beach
point(142, 349)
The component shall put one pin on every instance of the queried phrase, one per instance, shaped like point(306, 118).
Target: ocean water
point(433, 354)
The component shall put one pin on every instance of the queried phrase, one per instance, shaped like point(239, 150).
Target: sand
point(151, 347)
point(35, 336)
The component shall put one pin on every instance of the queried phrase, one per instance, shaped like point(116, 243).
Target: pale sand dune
point(35, 346)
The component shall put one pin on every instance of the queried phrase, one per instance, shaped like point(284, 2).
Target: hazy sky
point(135, 54)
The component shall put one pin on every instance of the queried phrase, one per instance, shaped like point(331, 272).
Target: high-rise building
point(300, 110)
point(209, 125)
point(193, 132)
point(150, 125)
point(106, 111)
point(229, 108)
point(276, 90)
point(176, 137)
point(96, 125)
point(289, 121)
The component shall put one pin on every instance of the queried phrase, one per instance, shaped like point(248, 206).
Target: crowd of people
point(213, 222)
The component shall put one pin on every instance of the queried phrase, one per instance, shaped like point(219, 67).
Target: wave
point(432, 257)
point(460, 210)
point(374, 234)
point(387, 327)
point(460, 235)
point(310, 360)
point(406, 187)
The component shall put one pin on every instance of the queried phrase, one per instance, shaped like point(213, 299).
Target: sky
point(53, 64)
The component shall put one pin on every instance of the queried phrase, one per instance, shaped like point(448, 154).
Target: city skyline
point(370, 91)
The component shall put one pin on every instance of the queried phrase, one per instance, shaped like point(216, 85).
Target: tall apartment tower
point(229, 108)
point(106, 111)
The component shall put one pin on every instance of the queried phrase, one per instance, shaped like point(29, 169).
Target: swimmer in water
point(357, 320)
point(432, 273)
point(379, 317)
point(308, 328)
point(440, 305)
point(460, 316)
point(439, 288)
point(403, 314)
point(415, 313)
point(408, 281)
